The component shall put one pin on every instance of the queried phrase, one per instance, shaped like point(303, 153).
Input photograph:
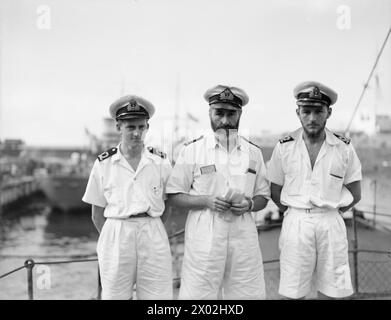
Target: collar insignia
point(286, 139)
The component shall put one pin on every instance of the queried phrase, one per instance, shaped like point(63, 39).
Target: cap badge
point(133, 106)
point(227, 95)
point(315, 93)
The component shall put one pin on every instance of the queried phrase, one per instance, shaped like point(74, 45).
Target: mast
point(378, 100)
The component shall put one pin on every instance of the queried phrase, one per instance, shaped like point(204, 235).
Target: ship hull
point(65, 191)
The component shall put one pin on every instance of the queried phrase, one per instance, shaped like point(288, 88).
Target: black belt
point(139, 215)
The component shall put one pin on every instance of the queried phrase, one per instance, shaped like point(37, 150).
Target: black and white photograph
point(208, 151)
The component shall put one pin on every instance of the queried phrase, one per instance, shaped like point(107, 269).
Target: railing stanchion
point(29, 264)
point(374, 202)
point(355, 252)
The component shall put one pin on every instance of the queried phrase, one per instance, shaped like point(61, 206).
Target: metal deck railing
point(371, 275)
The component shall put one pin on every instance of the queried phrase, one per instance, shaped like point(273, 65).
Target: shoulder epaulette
point(107, 154)
point(157, 152)
point(192, 141)
point(252, 143)
point(342, 138)
point(286, 139)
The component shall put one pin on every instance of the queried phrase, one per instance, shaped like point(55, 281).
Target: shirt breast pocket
point(157, 190)
point(246, 182)
point(204, 181)
point(335, 178)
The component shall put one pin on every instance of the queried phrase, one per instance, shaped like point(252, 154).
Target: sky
point(62, 63)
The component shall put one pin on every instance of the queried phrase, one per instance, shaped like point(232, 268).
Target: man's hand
point(217, 204)
point(241, 207)
point(276, 196)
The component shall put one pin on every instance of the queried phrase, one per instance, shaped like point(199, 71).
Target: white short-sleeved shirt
point(204, 167)
point(114, 185)
point(323, 186)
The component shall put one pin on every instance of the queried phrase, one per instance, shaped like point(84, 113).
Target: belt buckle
point(307, 210)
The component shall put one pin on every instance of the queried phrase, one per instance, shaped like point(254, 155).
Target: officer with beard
point(315, 175)
point(221, 178)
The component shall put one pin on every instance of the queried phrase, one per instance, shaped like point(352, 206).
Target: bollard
point(29, 264)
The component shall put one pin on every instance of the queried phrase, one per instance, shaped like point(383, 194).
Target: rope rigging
point(367, 82)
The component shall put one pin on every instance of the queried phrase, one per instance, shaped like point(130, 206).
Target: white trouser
point(137, 251)
point(314, 244)
point(222, 259)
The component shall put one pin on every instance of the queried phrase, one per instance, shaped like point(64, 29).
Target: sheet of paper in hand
point(237, 197)
point(233, 195)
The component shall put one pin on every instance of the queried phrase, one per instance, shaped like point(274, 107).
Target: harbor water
point(35, 230)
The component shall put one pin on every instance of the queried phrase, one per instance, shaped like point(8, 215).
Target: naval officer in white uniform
point(315, 176)
point(126, 189)
point(222, 257)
